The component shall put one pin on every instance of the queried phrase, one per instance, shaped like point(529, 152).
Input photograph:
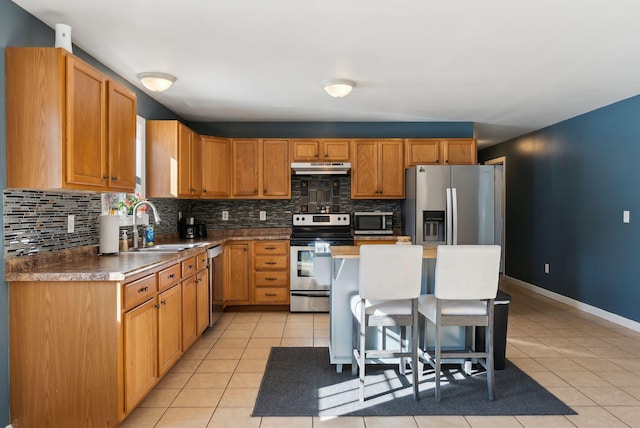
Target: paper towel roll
point(63, 37)
point(109, 234)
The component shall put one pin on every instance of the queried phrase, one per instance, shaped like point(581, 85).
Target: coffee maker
point(187, 227)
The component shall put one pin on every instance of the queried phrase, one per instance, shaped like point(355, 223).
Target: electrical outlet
point(225, 215)
point(71, 223)
point(546, 268)
point(263, 215)
point(626, 216)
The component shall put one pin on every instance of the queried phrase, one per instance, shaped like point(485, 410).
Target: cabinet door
point(86, 142)
point(335, 150)
point(202, 309)
point(422, 151)
point(305, 150)
point(184, 161)
point(216, 171)
point(276, 169)
point(122, 138)
point(169, 329)
point(236, 284)
point(140, 353)
point(462, 151)
point(364, 169)
point(189, 312)
point(196, 164)
point(162, 158)
point(245, 163)
point(391, 169)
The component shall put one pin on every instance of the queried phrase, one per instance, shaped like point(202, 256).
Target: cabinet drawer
point(271, 262)
point(272, 279)
point(138, 291)
point(271, 247)
point(201, 261)
point(271, 295)
point(188, 267)
point(169, 276)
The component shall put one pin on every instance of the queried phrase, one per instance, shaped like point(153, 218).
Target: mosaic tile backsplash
point(36, 221)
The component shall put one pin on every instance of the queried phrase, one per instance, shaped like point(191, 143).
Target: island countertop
point(353, 252)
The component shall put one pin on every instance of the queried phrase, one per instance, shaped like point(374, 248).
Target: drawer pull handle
point(143, 289)
point(270, 248)
point(270, 278)
point(171, 276)
point(270, 294)
point(270, 263)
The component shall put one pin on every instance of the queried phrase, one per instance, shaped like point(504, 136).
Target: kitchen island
point(344, 284)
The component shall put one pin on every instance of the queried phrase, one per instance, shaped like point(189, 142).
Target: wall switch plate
point(626, 216)
point(263, 215)
point(546, 268)
point(71, 223)
point(225, 215)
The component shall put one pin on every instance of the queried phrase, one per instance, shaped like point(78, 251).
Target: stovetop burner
point(334, 228)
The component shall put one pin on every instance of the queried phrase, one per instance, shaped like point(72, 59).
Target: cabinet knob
point(163, 301)
point(105, 177)
point(156, 306)
point(171, 276)
point(114, 178)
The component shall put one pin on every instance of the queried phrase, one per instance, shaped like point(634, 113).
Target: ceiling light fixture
point(338, 88)
point(156, 82)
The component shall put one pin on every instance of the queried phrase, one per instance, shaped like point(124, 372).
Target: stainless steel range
point(311, 237)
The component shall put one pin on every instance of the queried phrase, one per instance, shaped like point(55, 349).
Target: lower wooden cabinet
point(169, 328)
point(202, 301)
point(189, 312)
point(141, 350)
point(257, 272)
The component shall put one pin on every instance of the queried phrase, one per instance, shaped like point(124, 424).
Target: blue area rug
point(302, 382)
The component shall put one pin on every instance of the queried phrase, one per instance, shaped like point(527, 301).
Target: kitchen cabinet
point(202, 301)
point(434, 151)
point(377, 170)
point(320, 150)
point(216, 171)
point(271, 272)
point(236, 273)
point(169, 328)
point(174, 156)
point(70, 126)
point(260, 169)
point(189, 312)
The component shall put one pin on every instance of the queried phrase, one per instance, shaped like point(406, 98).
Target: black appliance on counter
point(189, 229)
point(311, 237)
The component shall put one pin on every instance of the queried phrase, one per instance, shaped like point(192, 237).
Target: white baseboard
point(609, 316)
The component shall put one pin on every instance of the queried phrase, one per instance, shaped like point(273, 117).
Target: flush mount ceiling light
point(156, 82)
point(338, 88)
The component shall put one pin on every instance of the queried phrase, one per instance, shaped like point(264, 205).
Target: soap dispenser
point(124, 244)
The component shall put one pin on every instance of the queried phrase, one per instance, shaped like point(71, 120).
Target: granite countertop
point(85, 264)
point(353, 252)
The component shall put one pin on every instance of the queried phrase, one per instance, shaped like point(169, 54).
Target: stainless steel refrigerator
point(449, 205)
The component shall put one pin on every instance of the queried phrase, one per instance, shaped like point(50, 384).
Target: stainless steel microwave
point(373, 223)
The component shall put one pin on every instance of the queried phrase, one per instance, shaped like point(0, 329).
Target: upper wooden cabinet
point(434, 151)
point(174, 160)
point(216, 167)
point(320, 150)
point(377, 170)
point(68, 125)
point(260, 169)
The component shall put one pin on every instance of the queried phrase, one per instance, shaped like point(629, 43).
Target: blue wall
point(567, 186)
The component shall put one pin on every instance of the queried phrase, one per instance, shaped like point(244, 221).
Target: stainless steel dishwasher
point(214, 254)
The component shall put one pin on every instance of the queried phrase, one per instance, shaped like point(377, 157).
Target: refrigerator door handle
point(454, 203)
point(449, 219)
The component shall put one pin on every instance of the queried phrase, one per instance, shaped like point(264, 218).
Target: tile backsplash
point(36, 221)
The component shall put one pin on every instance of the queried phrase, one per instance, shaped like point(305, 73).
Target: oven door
point(310, 267)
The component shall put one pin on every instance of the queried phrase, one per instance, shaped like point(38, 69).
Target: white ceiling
point(509, 66)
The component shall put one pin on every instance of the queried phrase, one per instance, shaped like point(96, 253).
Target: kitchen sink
point(165, 248)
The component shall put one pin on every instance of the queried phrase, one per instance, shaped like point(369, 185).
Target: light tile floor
point(589, 363)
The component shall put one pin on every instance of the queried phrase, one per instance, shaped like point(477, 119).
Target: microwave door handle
point(449, 219)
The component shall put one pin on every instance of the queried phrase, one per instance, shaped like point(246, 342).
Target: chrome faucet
point(135, 226)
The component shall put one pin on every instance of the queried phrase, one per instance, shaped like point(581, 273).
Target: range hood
point(320, 168)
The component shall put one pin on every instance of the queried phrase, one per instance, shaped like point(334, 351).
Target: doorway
point(499, 201)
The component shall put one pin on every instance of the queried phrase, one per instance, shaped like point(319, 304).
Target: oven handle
point(317, 294)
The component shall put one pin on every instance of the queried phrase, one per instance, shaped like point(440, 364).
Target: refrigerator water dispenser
point(434, 224)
